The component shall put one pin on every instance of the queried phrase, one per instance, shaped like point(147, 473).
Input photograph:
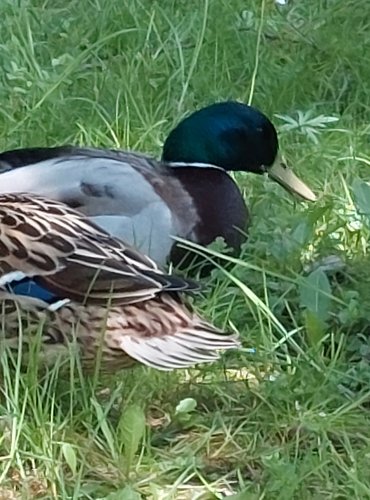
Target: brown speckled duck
point(90, 290)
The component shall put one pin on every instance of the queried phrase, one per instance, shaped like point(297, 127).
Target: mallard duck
point(146, 202)
point(61, 270)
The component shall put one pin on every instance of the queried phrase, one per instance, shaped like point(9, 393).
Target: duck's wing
point(131, 196)
point(73, 257)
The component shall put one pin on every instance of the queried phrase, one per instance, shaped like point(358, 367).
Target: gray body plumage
point(126, 194)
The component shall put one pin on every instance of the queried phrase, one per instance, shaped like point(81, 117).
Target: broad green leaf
point(69, 455)
point(315, 293)
point(315, 328)
point(186, 405)
point(361, 195)
point(131, 431)
point(302, 232)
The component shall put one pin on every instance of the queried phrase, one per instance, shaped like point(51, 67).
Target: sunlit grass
point(288, 420)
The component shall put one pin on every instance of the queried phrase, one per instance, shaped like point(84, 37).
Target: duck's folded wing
point(108, 282)
point(57, 245)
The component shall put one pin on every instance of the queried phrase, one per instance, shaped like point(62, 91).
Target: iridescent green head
point(232, 136)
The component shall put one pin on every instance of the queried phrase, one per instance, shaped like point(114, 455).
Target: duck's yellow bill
point(283, 175)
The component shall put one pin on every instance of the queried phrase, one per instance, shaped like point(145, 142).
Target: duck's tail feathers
point(185, 348)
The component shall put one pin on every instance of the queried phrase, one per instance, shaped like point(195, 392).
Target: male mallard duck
point(145, 202)
point(61, 270)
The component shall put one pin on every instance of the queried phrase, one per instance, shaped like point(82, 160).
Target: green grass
point(291, 420)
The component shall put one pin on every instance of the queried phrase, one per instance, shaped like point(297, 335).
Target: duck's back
point(128, 195)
